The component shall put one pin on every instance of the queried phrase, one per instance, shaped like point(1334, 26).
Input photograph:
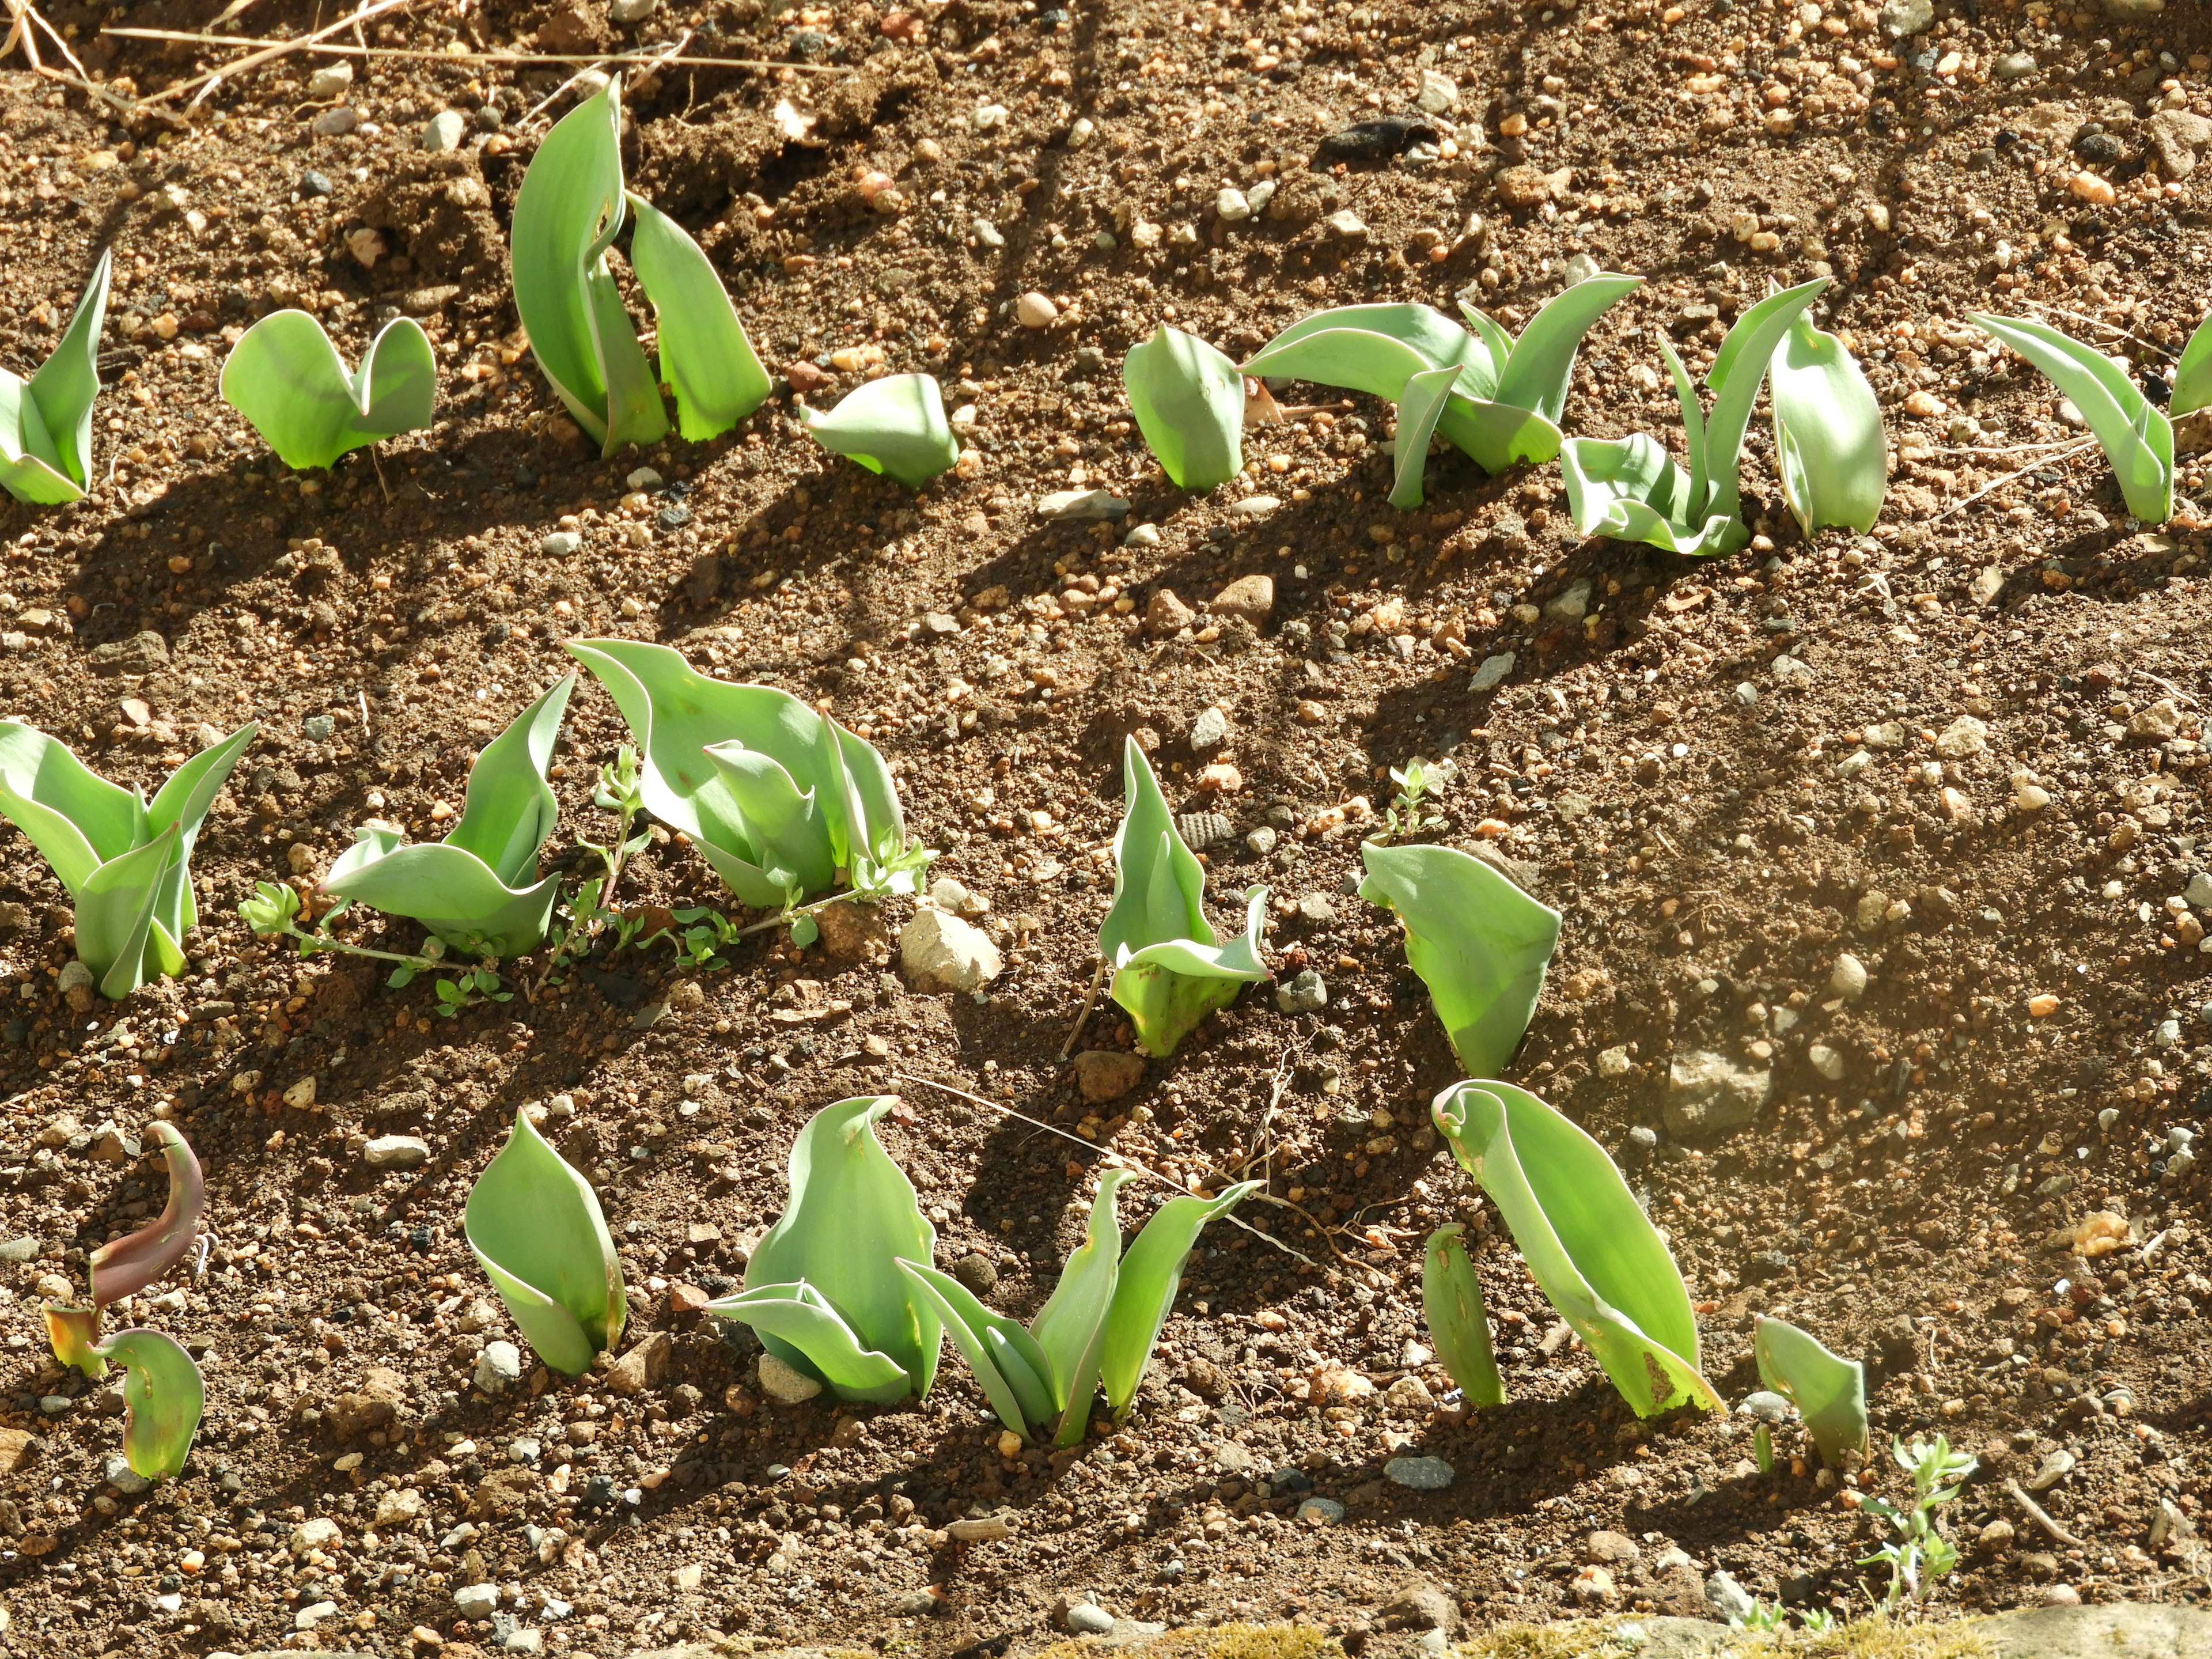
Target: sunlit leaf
point(895, 425)
point(1828, 1390)
point(162, 1398)
point(1144, 1289)
point(797, 1324)
point(1189, 400)
point(705, 357)
point(45, 421)
point(2136, 438)
point(535, 1226)
point(1828, 445)
point(126, 1266)
point(288, 380)
point(74, 1334)
point(1003, 1357)
point(1459, 1323)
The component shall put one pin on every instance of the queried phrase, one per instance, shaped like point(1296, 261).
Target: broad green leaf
point(45, 422)
point(1459, 1323)
point(797, 1324)
point(1828, 444)
point(1629, 490)
point(1145, 1290)
point(72, 814)
point(1016, 1391)
point(1158, 883)
point(162, 1399)
point(851, 1216)
point(1496, 437)
point(1424, 401)
point(787, 826)
point(1594, 1253)
point(535, 1224)
point(1358, 359)
point(1168, 988)
point(184, 801)
point(1479, 943)
point(569, 209)
point(705, 357)
point(115, 914)
point(1070, 1327)
point(2136, 438)
point(895, 425)
point(74, 1334)
point(1426, 333)
point(286, 377)
point(510, 809)
point(1189, 403)
point(126, 1266)
point(2192, 375)
point(1541, 367)
point(1737, 373)
point(1828, 1390)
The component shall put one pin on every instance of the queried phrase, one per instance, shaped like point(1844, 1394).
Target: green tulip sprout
point(1829, 443)
point(1828, 1390)
point(1189, 400)
point(45, 421)
point(2136, 437)
point(535, 1226)
point(126, 862)
point(286, 377)
point(1632, 489)
point(2192, 375)
point(824, 1288)
point(478, 889)
point(1480, 943)
point(894, 425)
point(1170, 969)
point(1459, 1322)
point(1099, 1326)
point(1591, 1250)
point(568, 212)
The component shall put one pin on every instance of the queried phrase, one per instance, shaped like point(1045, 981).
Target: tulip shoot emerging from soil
point(45, 421)
point(895, 425)
point(477, 889)
point(1828, 1390)
point(825, 1288)
point(126, 1266)
point(2136, 438)
point(1099, 1326)
point(163, 1396)
point(1189, 400)
point(1170, 969)
point(568, 213)
point(286, 377)
point(535, 1227)
point(126, 862)
point(1480, 943)
point(1829, 443)
point(1633, 490)
point(1459, 1323)
point(1591, 1248)
point(2192, 375)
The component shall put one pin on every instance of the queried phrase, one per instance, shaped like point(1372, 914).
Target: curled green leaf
point(1189, 400)
point(288, 380)
point(1828, 1390)
point(163, 1396)
point(895, 425)
point(1459, 1322)
point(45, 421)
point(2136, 438)
point(705, 357)
point(535, 1227)
point(1829, 443)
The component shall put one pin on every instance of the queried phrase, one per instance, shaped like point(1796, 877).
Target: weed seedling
point(1410, 813)
point(1919, 1554)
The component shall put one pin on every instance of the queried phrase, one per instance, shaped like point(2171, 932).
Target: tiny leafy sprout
point(1459, 1322)
point(824, 1289)
point(477, 891)
point(1591, 1248)
point(128, 1265)
point(1408, 814)
point(1480, 943)
point(1189, 400)
point(1632, 489)
point(1170, 969)
point(1828, 445)
point(535, 1227)
point(774, 794)
point(2136, 438)
point(286, 378)
point(45, 421)
point(1500, 401)
point(125, 862)
point(894, 425)
point(1919, 1554)
point(1828, 1390)
point(569, 211)
point(1098, 1328)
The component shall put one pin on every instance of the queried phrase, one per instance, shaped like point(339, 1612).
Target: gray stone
point(1439, 93)
point(1571, 606)
point(2141, 1630)
point(1420, 1606)
point(1728, 1600)
point(1209, 731)
point(1304, 994)
point(525, 1450)
point(1325, 1512)
point(1261, 842)
point(395, 1152)
point(1900, 18)
point(330, 81)
point(75, 976)
point(2015, 66)
point(443, 131)
point(1848, 980)
point(784, 1383)
point(1491, 673)
point(477, 1601)
point(2199, 890)
point(1086, 1619)
point(1962, 739)
point(499, 1366)
point(336, 123)
point(2179, 137)
point(1420, 1474)
point(24, 1249)
point(1708, 1093)
point(317, 728)
point(941, 952)
point(1347, 224)
point(560, 543)
point(116, 1470)
point(1766, 1407)
point(1232, 205)
point(1068, 506)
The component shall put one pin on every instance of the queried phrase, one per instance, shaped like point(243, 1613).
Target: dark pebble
point(1378, 140)
point(977, 1274)
point(313, 183)
point(674, 516)
point(2100, 149)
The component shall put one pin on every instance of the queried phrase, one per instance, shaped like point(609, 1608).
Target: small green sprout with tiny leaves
point(894, 425)
point(1919, 1554)
point(1409, 814)
point(2136, 436)
point(45, 421)
point(288, 380)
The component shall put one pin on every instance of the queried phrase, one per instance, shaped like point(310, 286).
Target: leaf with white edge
point(2192, 375)
point(535, 1226)
point(1828, 1390)
point(1007, 1363)
point(126, 1266)
point(1458, 1320)
point(163, 1396)
point(1145, 1290)
point(1425, 395)
point(799, 1325)
point(2136, 438)
point(1540, 367)
point(287, 377)
point(1426, 337)
point(1189, 400)
point(704, 356)
point(1479, 943)
point(1592, 1251)
point(1828, 445)
point(895, 425)
point(115, 916)
point(1739, 370)
point(45, 422)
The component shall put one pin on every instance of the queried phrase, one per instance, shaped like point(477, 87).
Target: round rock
point(785, 1384)
point(1420, 1474)
point(1034, 310)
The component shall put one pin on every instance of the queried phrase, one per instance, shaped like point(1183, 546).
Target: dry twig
point(2041, 1517)
point(323, 48)
point(2013, 477)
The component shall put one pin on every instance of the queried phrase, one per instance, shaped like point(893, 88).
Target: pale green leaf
point(2192, 375)
point(1829, 447)
point(1158, 883)
point(1479, 943)
point(1594, 1253)
point(1828, 1390)
point(1630, 490)
point(799, 1325)
point(1459, 1322)
point(1423, 337)
point(1738, 371)
point(1425, 395)
point(510, 809)
point(162, 1399)
point(1189, 400)
point(1496, 437)
point(30, 466)
point(286, 377)
point(1145, 1290)
point(72, 814)
point(1167, 989)
point(115, 914)
point(705, 357)
point(45, 422)
point(1070, 1327)
point(1015, 1391)
point(1541, 368)
point(73, 1336)
point(895, 425)
point(184, 801)
point(2136, 438)
point(535, 1224)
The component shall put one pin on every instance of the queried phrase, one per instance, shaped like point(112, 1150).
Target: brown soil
point(1711, 860)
